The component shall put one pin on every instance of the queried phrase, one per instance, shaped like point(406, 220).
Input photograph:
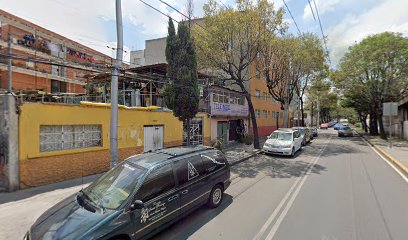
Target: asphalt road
point(336, 188)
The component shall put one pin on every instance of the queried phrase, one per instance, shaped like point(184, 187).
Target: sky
point(92, 22)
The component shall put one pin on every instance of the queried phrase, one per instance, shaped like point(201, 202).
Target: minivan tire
point(216, 196)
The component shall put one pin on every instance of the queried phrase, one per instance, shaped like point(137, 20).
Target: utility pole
point(114, 87)
point(286, 112)
point(390, 129)
point(10, 71)
point(318, 112)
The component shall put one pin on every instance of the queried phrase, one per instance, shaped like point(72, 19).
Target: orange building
point(63, 66)
point(269, 115)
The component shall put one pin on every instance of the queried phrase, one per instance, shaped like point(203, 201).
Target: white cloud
point(390, 15)
point(322, 6)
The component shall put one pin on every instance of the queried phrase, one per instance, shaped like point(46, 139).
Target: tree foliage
point(289, 64)
point(231, 40)
point(182, 94)
point(372, 72)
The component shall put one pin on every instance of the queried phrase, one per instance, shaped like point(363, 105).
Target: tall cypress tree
point(182, 94)
point(169, 93)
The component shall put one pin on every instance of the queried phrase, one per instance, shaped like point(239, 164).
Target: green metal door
point(222, 131)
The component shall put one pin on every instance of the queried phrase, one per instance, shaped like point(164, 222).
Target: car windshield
point(112, 189)
point(281, 136)
point(346, 128)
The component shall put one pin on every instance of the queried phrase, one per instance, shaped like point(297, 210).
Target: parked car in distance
point(305, 133)
point(314, 132)
point(324, 126)
point(331, 124)
point(337, 126)
point(311, 132)
point(139, 197)
point(345, 132)
point(283, 142)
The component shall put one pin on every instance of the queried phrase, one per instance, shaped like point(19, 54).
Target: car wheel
point(216, 196)
point(292, 154)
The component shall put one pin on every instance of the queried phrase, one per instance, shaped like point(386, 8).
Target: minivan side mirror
point(138, 204)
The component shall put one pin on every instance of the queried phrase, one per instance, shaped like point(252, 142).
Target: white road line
point(388, 162)
point(292, 199)
point(283, 201)
point(277, 210)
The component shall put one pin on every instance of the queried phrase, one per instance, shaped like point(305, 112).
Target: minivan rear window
point(213, 160)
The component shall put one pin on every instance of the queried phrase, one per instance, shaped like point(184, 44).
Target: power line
point(290, 13)
point(311, 9)
point(321, 30)
point(159, 11)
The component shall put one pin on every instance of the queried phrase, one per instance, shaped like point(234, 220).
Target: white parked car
point(283, 142)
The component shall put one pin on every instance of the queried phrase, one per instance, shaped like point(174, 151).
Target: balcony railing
point(128, 98)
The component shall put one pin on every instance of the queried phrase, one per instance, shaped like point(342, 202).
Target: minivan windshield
point(281, 136)
point(110, 191)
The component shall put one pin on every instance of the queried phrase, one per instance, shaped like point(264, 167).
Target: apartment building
point(56, 65)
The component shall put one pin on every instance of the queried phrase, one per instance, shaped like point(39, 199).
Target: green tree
point(372, 72)
point(289, 64)
point(231, 41)
point(182, 94)
point(320, 91)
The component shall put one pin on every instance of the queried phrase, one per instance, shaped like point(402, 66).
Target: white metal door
point(153, 138)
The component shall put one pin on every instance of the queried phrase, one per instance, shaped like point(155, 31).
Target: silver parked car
point(345, 132)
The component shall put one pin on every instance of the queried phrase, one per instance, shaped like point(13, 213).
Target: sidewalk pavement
point(238, 152)
point(235, 152)
point(398, 154)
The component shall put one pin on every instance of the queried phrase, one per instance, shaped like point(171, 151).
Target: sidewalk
point(238, 152)
point(398, 154)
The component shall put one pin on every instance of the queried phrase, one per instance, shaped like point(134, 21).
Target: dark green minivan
point(139, 197)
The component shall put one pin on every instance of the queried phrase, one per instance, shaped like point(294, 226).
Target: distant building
point(137, 58)
point(64, 64)
point(155, 52)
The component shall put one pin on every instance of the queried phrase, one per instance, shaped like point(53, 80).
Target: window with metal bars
point(64, 137)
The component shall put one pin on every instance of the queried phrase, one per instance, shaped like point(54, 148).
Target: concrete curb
point(387, 156)
point(245, 158)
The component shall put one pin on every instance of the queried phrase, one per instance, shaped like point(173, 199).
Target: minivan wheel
point(216, 196)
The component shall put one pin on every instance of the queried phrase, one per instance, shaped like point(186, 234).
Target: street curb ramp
point(389, 158)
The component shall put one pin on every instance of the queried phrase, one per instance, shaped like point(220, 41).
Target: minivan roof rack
point(180, 151)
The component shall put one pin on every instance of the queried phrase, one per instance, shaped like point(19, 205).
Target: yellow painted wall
point(207, 127)
point(130, 129)
point(39, 168)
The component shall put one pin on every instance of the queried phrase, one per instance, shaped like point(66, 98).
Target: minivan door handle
point(184, 192)
point(172, 198)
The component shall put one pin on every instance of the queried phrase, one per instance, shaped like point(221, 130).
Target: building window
point(257, 113)
point(257, 93)
point(58, 86)
point(227, 97)
point(265, 95)
point(277, 115)
point(63, 137)
point(265, 114)
point(265, 76)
